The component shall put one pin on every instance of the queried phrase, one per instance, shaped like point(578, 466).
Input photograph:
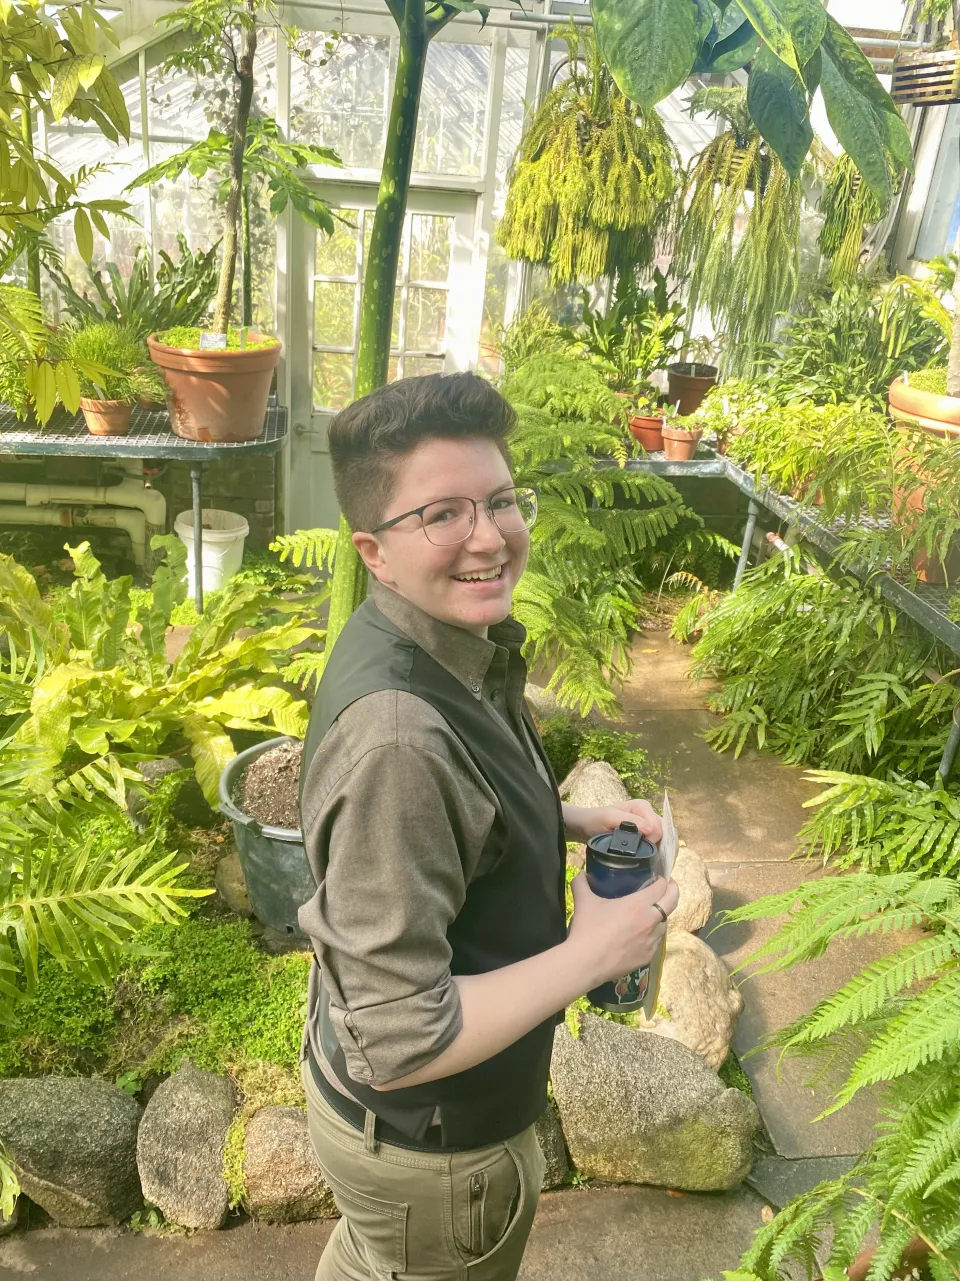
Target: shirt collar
point(464, 655)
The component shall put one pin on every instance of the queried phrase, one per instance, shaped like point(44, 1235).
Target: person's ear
point(371, 554)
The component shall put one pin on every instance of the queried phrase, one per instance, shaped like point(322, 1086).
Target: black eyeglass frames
point(451, 520)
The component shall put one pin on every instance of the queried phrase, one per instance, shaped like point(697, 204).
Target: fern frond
point(310, 547)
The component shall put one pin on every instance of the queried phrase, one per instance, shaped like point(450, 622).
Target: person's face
point(432, 577)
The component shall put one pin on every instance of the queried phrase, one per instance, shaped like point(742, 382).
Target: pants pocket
point(486, 1198)
point(380, 1225)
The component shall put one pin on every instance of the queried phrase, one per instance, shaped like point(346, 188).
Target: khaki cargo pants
point(422, 1216)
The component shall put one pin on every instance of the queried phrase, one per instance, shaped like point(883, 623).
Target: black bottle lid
point(622, 848)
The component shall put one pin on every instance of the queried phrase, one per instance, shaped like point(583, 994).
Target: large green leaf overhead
point(789, 47)
point(649, 45)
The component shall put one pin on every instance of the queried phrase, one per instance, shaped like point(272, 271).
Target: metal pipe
point(133, 523)
point(128, 493)
point(196, 472)
point(753, 511)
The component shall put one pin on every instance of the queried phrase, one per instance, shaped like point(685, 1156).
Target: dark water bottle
point(620, 863)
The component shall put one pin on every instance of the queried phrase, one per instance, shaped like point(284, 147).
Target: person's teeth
point(481, 577)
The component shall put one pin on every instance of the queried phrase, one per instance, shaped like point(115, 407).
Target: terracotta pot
point(939, 415)
point(916, 1255)
point(107, 417)
point(216, 395)
point(648, 429)
point(689, 383)
point(680, 446)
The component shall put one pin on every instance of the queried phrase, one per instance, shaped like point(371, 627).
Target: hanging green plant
point(738, 232)
point(848, 206)
point(593, 184)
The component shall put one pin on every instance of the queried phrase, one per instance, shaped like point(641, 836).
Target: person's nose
point(486, 535)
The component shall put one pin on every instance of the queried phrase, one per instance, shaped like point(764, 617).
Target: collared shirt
point(395, 819)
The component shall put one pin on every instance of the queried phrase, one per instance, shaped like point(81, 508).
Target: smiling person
point(436, 834)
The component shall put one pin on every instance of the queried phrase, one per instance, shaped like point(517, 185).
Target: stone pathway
point(741, 816)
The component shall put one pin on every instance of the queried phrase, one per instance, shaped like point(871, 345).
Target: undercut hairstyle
point(370, 438)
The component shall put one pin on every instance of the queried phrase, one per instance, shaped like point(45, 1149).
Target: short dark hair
point(369, 437)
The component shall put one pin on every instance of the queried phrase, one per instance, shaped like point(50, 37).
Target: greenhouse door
point(436, 321)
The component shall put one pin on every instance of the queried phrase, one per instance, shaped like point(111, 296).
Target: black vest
point(513, 911)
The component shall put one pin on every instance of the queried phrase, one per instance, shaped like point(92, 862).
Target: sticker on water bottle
point(632, 987)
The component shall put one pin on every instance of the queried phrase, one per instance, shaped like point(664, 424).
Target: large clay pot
point(910, 503)
point(648, 429)
point(939, 415)
point(679, 446)
point(107, 417)
point(216, 395)
point(689, 383)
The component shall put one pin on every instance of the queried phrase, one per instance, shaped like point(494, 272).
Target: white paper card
point(213, 342)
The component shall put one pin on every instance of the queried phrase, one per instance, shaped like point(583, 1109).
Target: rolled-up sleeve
point(395, 839)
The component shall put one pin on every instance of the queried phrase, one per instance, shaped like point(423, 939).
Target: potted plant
point(922, 398)
point(114, 372)
point(593, 185)
point(218, 383)
point(648, 420)
point(688, 381)
point(680, 440)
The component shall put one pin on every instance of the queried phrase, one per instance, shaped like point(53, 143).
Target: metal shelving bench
point(150, 436)
point(925, 603)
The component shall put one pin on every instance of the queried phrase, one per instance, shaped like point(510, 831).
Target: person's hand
point(616, 935)
point(582, 822)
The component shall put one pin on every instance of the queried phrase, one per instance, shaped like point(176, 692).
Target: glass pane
point(414, 366)
point(426, 319)
point(333, 314)
point(121, 165)
point(392, 368)
point(941, 217)
point(511, 121)
point(430, 247)
point(183, 106)
point(189, 205)
point(395, 327)
point(342, 104)
point(337, 254)
point(332, 379)
point(450, 129)
point(494, 306)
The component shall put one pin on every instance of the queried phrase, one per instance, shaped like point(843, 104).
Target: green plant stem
point(231, 219)
point(33, 249)
point(247, 264)
point(376, 316)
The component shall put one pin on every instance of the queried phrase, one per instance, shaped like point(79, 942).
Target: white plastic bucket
point(222, 546)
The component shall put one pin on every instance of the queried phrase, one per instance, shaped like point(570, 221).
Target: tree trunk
point(33, 248)
point(231, 219)
point(247, 261)
point(380, 278)
point(953, 361)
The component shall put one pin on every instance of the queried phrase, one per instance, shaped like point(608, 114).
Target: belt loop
point(370, 1142)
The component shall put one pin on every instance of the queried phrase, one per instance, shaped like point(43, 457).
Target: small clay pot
point(107, 417)
point(679, 446)
point(688, 383)
point(648, 429)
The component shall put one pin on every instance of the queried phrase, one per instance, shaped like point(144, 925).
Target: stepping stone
point(779, 1180)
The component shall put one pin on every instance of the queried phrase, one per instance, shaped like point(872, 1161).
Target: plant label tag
point(213, 342)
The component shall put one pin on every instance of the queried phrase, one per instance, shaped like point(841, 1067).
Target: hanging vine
point(593, 184)
point(738, 234)
point(848, 206)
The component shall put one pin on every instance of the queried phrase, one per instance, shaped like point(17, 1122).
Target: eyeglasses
point(451, 520)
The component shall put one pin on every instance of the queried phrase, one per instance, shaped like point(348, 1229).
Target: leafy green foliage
point(894, 1026)
point(637, 335)
point(841, 456)
point(848, 206)
point(188, 337)
point(851, 346)
point(580, 594)
point(592, 188)
point(533, 332)
point(824, 672)
point(113, 361)
point(566, 741)
point(179, 294)
point(107, 694)
point(738, 231)
point(933, 380)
